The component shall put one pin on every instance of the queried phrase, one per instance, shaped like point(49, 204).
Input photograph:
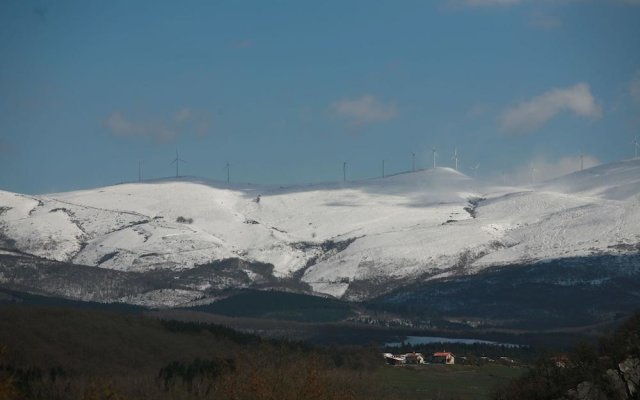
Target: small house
point(560, 361)
point(414, 358)
point(393, 360)
point(444, 357)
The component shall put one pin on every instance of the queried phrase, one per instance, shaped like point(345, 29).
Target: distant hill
point(181, 242)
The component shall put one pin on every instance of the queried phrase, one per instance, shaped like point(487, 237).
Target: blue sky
point(285, 91)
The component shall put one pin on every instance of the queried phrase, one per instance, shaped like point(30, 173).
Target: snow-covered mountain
point(352, 240)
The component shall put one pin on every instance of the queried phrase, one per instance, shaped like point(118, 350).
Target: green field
point(445, 381)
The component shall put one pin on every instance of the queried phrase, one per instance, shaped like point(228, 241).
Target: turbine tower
point(435, 154)
point(344, 171)
point(636, 145)
point(413, 162)
point(383, 168)
point(532, 170)
point(177, 161)
point(228, 167)
point(455, 157)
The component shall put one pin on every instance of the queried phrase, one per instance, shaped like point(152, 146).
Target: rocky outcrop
point(586, 391)
point(630, 371)
point(617, 384)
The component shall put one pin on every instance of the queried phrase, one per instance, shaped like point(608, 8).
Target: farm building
point(414, 358)
point(393, 360)
point(443, 357)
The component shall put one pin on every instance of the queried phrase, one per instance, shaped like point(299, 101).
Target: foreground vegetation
point(50, 353)
point(68, 353)
point(609, 370)
point(55, 353)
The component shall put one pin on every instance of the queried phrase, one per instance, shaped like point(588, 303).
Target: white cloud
point(364, 110)
point(184, 120)
point(544, 169)
point(183, 115)
point(634, 87)
point(499, 3)
point(532, 114)
point(243, 43)
point(483, 3)
point(119, 125)
point(543, 21)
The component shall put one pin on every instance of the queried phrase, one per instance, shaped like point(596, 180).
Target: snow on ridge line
point(615, 181)
point(233, 223)
point(405, 225)
point(251, 187)
point(429, 173)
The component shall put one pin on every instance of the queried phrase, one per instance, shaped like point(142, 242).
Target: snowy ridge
point(334, 237)
point(614, 181)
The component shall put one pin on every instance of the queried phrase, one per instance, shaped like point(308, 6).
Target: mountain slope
point(353, 240)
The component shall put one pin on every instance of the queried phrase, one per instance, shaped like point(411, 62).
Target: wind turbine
point(228, 167)
point(455, 156)
point(344, 171)
point(435, 154)
point(532, 170)
point(177, 161)
point(413, 162)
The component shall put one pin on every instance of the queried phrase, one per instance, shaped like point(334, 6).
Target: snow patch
point(162, 298)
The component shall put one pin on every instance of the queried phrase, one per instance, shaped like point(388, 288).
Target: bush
point(586, 366)
point(184, 220)
point(7, 387)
